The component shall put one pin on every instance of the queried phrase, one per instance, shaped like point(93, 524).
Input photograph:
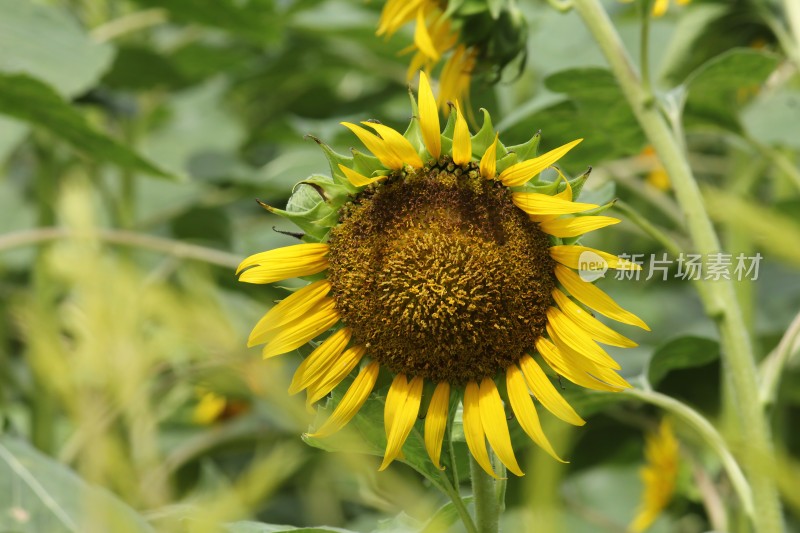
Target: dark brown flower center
point(439, 275)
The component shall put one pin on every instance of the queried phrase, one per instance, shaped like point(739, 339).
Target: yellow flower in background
point(657, 176)
point(659, 475)
point(209, 408)
point(660, 7)
point(434, 37)
point(213, 407)
point(448, 267)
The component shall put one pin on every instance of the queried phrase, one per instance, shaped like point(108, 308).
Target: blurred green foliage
point(135, 137)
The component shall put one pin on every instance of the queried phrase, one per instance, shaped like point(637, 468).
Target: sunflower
point(443, 263)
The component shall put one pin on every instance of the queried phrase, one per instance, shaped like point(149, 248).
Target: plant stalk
point(487, 507)
point(718, 297)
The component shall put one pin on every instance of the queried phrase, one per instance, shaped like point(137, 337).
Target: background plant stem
point(719, 298)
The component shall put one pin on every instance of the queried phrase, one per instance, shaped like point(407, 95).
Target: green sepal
point(527, 150)
point(549, 188)
point(334, 160)
point(578, 183)
point(414, 131)
point(450, 127)
point(365, 164)
point(314, 206)
point(482, 140)
point(519, 152)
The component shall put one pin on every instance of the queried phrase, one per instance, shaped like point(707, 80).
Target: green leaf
point(705, 31)
point(595, 109)
point(11, 134)
point(683, 352)
point(256, 20)
point(718, 90)
point(30, 100)
point(45, 42)
point(43, 495)
point(773, 117)
point(258, 527)
point(445, 516)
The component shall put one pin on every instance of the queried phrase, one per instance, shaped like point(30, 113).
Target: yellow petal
point(572, 256)
point(579, 361)
point(521, 173)
point(564, 331)
point(351, 402)
point(436, 421)
point(493, 418)
point(429, 118)
point(546, 393)
point(344, 364)
point(395, 14)
point(290, 308)
point(489, 160)
point(356, 179)
point(377, 146)
point(462, 141)
point(450, 78)
point(405, 415)
point(394, 399)
point(283, 263)
point(591, 296)
point(575, 226)
point(423, 39)
point(297, 333)
point(535, 203)
point(575, 371)
point(566, 194)
point(473, 428)
point(397, 144)
point(596, 329)
point(319, 360)
point(525, 411)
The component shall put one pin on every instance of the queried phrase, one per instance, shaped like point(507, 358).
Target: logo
point(591, 266)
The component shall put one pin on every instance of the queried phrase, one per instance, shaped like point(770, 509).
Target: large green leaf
point(40, 495)
point(30, 100)
point(595, 110)
point(774, 115)
point(258, 527)
point(707, 30)
point(46, 43)
point(683, 352)
point(720, 88)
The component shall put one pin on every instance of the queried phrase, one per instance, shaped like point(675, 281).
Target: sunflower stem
point(719, 297)
point(487, 505)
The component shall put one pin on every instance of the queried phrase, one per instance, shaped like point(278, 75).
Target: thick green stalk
point(487, 508)
point(718, 297)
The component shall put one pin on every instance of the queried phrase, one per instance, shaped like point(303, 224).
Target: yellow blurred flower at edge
point(434, 37)
point(659, 475)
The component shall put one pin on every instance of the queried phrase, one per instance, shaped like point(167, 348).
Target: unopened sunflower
point(442, 261)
